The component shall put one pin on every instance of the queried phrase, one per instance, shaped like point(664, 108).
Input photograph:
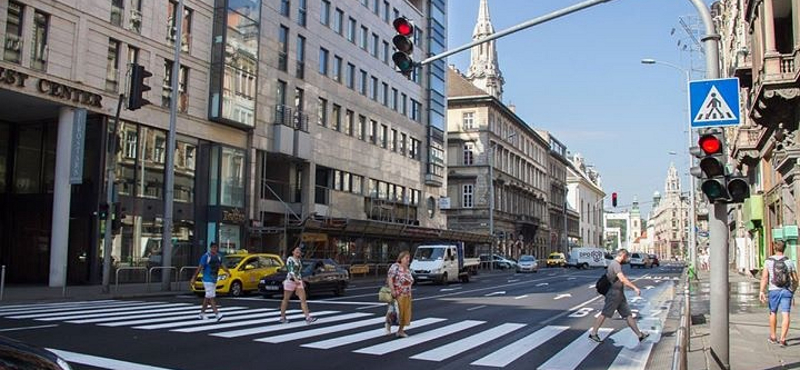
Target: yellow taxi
point(246, 270)
point(556, 259)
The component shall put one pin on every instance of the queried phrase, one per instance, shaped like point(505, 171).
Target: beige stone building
point(292, 127)
point(669, 219)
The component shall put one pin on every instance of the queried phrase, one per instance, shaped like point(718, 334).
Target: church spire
point(484, 71)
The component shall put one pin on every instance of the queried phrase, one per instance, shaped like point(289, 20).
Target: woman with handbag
point(400, 280)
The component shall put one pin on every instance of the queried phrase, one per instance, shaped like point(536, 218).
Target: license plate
point(270, 287)
point(422, 278)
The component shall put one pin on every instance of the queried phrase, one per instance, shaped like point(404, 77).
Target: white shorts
point(211, 289)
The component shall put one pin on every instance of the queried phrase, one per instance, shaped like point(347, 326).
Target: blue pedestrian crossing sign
point(714, 103)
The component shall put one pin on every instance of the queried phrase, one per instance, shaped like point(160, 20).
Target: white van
point(442, 263)
point(585, 257)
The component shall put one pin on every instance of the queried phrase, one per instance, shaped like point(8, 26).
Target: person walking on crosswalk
point(778, 283)
point(294, 285)
point(615, 298)
point(209, 264)
point(400, 280)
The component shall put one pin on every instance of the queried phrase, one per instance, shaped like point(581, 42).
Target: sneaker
point(284, 321)
point(772, 341)
point(644, 336)
point(310, 319)
point(201, 317)
point(219, 316)
point(388, 327)
point(595, 337)
point(783, 344)
point(402, 335)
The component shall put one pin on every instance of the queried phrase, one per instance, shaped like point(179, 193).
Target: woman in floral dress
point(399, 279)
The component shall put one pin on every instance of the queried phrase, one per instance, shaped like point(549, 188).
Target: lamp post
point(692, 207)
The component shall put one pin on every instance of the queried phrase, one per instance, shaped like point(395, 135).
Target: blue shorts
point(780, 299)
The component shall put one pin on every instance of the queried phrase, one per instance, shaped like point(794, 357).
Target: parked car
point(498, 262)
point(527, 263)
point(18, 355)
point(655, 261)
point(641, 260)
point(556, 259)
point(246, 270)
point(319, 276)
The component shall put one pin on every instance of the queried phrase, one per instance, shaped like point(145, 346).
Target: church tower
point(484, 71)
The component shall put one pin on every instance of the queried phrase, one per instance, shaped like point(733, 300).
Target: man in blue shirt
point(210, 263)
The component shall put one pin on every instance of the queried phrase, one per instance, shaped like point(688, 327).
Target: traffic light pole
point(111, 161)
point(717, 228)
point(519, 27)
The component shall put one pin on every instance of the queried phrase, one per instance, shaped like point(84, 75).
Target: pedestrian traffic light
point(102, 211)
point(711, 168)
point(613, 199)
point(738, 188)
point(404, 45)
point(116, 218)
point(138, 87)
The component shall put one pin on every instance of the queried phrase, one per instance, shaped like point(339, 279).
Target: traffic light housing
point(102, 211)
point(138, 87)
point(738, 188)
point(404, 45)
point(613, 199)
point(116, 219)
point(711, 168)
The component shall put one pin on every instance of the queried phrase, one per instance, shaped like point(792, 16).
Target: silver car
point(527, 263)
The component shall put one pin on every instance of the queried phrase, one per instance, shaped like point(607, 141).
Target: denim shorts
point(780, 299)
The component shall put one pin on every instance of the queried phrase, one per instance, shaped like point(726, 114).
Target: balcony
point(290, 132)
point(775, 87)
point(746, 143)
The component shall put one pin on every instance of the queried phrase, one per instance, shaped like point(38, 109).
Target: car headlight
point(222, 277)
point(262, 281)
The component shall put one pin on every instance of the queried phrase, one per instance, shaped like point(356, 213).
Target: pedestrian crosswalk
point(432, 339)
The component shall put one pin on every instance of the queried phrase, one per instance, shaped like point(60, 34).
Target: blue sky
point(580, 77)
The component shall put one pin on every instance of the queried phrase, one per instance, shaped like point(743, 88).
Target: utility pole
point(717, 217)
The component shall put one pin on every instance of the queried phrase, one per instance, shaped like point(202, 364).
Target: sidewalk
point(749, 328)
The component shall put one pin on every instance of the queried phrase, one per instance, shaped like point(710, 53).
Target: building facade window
point(383, 136)
point(117, 10)
point(361, 127)
point(322, 112)
point(336, 113)
point(286, 8)
point(323, 61)
point(112, 66)
point(349, 122)
point(351, 30)
point(300, 69)
point(350, 76)
point(373, 132)
point(283, 48)
point(13, 43)
point(468, 120)
point(338, 21)
point(41, 24)
point(302, 12)
point(467, 196)
point(376, 44)
point(325, 12)
point(337, 68)
point(363, 37)
point(186, 25)
point(166, 95)
point(402, 144)
point(469, 154)
point(373, 91)
point(393, 140)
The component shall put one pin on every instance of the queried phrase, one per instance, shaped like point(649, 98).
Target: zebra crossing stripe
point(270, 320)
point(296, 324)
point(513, 351)
point(191, 320)
point(191, 317)
point(22, 307)
point(131, 315)
point(362, 336)
point(116, 307)
point(384, 348)
point(73, 309)
point(157, 308)
point(444, 352)
point(633, 358)
point(321, 331)
point(572, 355)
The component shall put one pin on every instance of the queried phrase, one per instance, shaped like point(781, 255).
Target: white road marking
point(560, 296)
point(521, 297)
point(321, 331)
point(166, 308)
point(362, 336)
point(463, 345)
point(513, 280)
point(292, 325)
point(30, 327)
point(387, 347)
point(270, 320)
point(543, 284)
point(193, 316)
point(191, 320)
point(502, 292)
point(102, 362)
point(135, 306)
point(71, 309)
point(24, 307)
point(517, 349)
point(572, 355)
point(449, 289)
point(476, 308)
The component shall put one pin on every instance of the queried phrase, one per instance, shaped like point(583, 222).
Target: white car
point(527, 263)
point(640, 260)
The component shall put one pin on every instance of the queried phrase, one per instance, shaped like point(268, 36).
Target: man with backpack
point(615, 297)
point(779, 276)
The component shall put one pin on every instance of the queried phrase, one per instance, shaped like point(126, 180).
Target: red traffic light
point(613, 199)
point(403, 26)
point(710, 144)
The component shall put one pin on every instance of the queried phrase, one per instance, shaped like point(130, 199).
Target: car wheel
point(236, 289)
point(585, 266)
point(339, 291)
point(444, 279)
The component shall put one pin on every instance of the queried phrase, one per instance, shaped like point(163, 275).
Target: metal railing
point(156, 268)
point(680, 354)
point(180, 273)
point(116, 275)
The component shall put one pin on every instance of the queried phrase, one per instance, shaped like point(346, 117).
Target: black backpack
point(780, 273)
point(603, 284)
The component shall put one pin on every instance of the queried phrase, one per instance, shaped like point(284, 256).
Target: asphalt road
point(498, 320)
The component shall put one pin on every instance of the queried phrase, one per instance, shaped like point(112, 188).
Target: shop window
point(28, 159)
point(232, 178)
point(151, 183)
point(186, 25)
point(13, 42)
point(39, 41)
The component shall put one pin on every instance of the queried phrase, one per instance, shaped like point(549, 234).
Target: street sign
point(714, 103)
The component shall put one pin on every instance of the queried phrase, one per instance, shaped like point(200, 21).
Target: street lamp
point(692, 229)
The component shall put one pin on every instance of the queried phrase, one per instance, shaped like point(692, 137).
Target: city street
point(501, 319)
